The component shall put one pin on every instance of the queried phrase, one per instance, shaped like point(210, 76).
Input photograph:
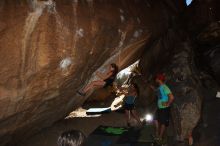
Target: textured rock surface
point(49, 49)
point(173, 55)
point(176, 56)
point(186, 87)
point(209, 42)
point(206, 31)
point(201, 45)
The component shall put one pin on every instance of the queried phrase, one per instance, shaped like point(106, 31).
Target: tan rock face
point(49, 49)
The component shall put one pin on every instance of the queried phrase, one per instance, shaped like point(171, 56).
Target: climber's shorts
point(128, 107)
point(163, 116)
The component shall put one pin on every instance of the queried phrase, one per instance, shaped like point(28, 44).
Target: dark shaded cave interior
point(49, 49)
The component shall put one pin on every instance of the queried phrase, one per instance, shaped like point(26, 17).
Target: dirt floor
point(48, 137)
point(78, 120)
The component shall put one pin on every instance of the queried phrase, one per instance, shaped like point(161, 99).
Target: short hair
point(71, 138)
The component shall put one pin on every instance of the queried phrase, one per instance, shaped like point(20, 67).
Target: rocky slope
point(188, 53)
point(49, 49)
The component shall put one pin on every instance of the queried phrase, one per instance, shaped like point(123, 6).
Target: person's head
point(134, 87)
point(71, 138)
point(114, 68)
point(160, 78)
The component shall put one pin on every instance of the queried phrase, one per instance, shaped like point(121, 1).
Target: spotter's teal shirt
point(162, 93)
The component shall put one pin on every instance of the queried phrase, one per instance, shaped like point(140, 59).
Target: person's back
point(162, 92)
point(71, 138)
point(132, 94)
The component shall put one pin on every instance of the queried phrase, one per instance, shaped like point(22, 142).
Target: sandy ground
point(77, 121)
point(48, 137)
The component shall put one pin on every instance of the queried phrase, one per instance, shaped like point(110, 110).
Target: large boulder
point(205, 33)
point(209, 49)
point(172, 54)
point(184, 82)
point(49, 49)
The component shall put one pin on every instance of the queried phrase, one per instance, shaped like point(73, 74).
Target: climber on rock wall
point(165, 99)
point(106, 79)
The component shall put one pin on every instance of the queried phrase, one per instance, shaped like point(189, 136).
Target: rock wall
point(185, 85)
point(206, 33)
point(188, 53)
point(49, 49)
point(172, 54)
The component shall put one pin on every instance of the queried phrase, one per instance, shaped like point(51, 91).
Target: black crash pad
point(121, 136)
